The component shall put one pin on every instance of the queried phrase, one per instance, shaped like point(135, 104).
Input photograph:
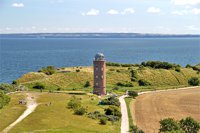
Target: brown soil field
point(150, 108)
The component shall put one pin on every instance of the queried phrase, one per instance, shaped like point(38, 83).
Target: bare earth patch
point(151, 108)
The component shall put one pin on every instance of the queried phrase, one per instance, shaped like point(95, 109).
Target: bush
point(132, 93)
point(194, 81)
point(4, 99)
point(95, 115)
point(159, 64)
point(143, 82)
point(80, 111)
point(112, 110)
point(78, 70)
point(115, 88)
point(189, 125)
point(14, 82)
point(39, 86)
point(7, 88)
point(178, 69)
point(87, 84)
point(135, 129)
point(74, 103)
point(168, 125)
point(103, 121)
point(110, 101)
point(49, 70)
point(125, 84)
point(188, 66)
point(133, 79)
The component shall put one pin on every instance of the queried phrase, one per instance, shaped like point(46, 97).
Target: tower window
point(96, 76)
point(96, 68)
point(97, 84)
point(102, 76)
point(102, 69)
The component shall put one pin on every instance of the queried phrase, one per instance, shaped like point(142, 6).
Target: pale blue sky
point(141, 16)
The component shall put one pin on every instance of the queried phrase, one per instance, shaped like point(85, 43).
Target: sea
point(21, 55)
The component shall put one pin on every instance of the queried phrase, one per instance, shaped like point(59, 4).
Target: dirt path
point(31, 106)
point(150, 108)
point(124, 121)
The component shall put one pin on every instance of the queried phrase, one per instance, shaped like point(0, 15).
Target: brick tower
point(99, 74)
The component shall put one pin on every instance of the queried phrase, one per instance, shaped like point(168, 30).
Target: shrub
point(4, 99)
point(143, 82)
point(194, 81)
point(159, 64)
point(112, 110)
point(49, 70)
point(125, 84)
point(134, 74)
point(95, 115)
point(118, 71)
point(133, 79)
point(110, 101)
point(178, 69)
point(103, 121)
point(188, 66)
point(135, 129)
point(74, 103)
point(132, 93)
point(87, 84)
point(80, 111)
point(39, 86)
point(78, 70)
point(115, 88)
point(7, 88)
point(189, 125)
point(168, 125)
point(14, 82)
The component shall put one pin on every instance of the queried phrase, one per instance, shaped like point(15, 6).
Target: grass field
point(149, 109)
point(12, 111)
point(57, 117)
point(69, 79)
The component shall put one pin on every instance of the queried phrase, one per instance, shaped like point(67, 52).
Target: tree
point(189, 125)
point(168, 125)
point(194, 81)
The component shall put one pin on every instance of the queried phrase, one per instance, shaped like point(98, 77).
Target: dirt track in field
point(151, 108)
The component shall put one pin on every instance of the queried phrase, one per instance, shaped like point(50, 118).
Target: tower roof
point(99, 56)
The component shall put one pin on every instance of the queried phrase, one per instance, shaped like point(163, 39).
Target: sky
point(103, 16)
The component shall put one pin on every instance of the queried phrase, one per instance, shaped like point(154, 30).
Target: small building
point(99, 74)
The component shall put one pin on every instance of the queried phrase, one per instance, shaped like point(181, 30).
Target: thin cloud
point(128, 11)
point(113, 12)
point(91, 12)
point(185, 2)
point(18, 5)
point(195, 11)
point(153, 10)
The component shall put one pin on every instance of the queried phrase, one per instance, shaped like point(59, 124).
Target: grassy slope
point(57, 118)
point(159, 78)
point(12, 111)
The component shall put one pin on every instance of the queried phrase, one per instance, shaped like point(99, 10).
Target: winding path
point(124, 121)
point(31, 106)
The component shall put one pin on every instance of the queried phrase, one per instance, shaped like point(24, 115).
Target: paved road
point(124, 121)
point(31, 106)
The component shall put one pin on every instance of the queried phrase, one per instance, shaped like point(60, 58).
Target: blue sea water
point(19, 56)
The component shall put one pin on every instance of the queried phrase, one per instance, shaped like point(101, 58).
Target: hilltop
point(119, 77)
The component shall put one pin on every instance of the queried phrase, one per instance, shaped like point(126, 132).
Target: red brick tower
point(99, 74)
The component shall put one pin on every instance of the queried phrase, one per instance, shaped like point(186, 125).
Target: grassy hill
point(74, 78)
